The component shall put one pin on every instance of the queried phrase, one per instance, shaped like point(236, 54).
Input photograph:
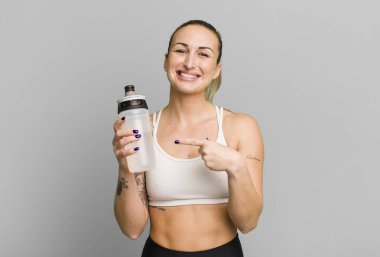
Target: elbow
point(134, 235)
point(249, 225)
point(132, 230)
point(248, 228)
point(248, 220)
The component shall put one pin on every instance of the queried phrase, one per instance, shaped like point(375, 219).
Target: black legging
point(230, 249)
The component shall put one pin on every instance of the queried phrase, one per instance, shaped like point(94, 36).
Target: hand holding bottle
point(121, 143)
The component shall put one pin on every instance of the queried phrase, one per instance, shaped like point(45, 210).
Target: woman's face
point(191, 63)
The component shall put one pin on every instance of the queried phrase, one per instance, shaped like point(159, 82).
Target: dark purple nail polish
point(176, 141)
point(137, 136)
point(136, 148)
point(135, 131)
point(122, 118)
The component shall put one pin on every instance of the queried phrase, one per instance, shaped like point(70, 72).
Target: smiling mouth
point(187, 76)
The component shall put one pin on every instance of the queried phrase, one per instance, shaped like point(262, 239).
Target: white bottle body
point(143, 159)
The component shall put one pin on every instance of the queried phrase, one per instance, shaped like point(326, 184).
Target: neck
point(187, 109)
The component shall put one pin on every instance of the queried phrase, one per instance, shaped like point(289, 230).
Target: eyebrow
point(201, 47)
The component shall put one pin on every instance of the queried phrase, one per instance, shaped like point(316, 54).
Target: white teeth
point(189, 76)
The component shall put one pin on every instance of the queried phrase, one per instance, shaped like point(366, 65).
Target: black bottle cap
point(129, 88)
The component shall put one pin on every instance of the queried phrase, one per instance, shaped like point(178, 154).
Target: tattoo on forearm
point(139, 177)
point(140, 182)
point(252, 157)
point(122, 184)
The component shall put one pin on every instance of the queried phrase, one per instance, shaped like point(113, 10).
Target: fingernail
point(135, 131)
point(137, 136)
point(136, 148)
point(176, 141)
point(122, 118)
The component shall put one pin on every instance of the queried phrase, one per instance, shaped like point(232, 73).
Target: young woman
point(207, 183)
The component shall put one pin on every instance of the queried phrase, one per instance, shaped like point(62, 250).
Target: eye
point(180, 51)
point(204, 54)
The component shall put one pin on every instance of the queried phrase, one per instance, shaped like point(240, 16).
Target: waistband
point(230, 249)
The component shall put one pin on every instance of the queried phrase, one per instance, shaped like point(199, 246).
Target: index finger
point(117, 124)
point(192, 141)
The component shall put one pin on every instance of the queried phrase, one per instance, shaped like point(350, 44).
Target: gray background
point(308, 71)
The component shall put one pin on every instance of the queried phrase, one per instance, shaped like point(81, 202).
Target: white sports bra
point(175, 181)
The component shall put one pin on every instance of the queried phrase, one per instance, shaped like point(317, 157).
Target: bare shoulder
point(242, 133)
point(240, 122)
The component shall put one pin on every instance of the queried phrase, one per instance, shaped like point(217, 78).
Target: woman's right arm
point(131, 205)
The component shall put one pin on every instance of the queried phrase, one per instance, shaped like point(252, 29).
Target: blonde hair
point(213, 88)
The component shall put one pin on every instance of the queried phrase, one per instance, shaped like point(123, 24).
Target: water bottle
point(135, 110)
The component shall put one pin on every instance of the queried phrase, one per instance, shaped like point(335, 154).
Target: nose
point(189, 61)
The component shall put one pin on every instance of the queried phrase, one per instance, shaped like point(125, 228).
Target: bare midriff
point(191, 227)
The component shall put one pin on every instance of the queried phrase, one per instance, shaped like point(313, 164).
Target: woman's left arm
point(244, 167)
point(245, 175)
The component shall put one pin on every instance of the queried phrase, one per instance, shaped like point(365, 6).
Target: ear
point(166, 62)
point(217, 70)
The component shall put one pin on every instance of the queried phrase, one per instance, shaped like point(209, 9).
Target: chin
point(187, 89)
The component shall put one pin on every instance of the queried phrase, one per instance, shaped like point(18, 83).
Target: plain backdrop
point(307, 71)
